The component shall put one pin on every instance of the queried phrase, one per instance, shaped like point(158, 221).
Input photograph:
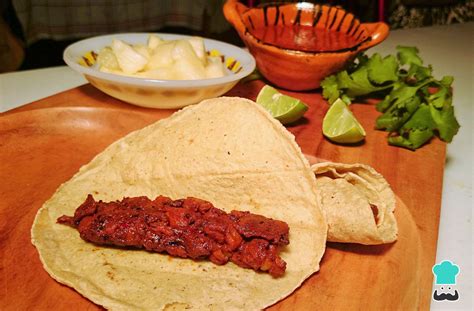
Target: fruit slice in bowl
point(153, 92)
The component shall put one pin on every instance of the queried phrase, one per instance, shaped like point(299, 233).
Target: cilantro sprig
point(415, 105)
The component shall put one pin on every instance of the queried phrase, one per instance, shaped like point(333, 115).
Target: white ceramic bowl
point(153, 93)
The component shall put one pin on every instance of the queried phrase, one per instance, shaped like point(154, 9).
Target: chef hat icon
point(445, 272)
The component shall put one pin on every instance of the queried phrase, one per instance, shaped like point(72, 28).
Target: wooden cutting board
point(44, 143)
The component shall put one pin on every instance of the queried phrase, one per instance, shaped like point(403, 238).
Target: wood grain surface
point(44, 143)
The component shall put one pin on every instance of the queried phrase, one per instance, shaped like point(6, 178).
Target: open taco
point(358, 203)
point(228, 151)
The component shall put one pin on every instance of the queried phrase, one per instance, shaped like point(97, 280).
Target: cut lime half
point(284, 108)
point(340, 125)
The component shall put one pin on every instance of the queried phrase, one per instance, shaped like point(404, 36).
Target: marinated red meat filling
point(187, 228)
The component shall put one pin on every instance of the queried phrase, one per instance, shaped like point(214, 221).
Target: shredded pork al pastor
point(187, 228)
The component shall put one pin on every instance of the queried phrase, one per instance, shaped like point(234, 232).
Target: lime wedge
point(340, 125)
point(284, 108)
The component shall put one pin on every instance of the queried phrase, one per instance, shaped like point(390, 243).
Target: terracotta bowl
point(297, 45)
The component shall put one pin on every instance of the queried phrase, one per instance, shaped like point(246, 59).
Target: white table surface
point(448, 48)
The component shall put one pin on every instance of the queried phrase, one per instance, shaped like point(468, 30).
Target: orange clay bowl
point(297, 45)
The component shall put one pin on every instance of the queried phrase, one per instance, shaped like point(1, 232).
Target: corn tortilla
point(358, 203)
point(228, 151)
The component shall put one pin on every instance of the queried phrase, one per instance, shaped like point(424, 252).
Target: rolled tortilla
point(358, 203)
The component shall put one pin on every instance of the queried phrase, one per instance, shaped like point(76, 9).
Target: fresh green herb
point(255, 75)
point(415, 105)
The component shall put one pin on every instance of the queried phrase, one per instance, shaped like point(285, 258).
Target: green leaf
point(398, 114)
point(356, 84)
point(399, 93)
point(418, 73)
point(346, 99)
point(408, 55)
point(330, 88)
point(416, 138)
point(441, 98)
point(255, 75)
point(446, 122)
point(382, 70)
point(420, 120)
point(416, 131)
point(384, 104)
point(360, 61)
point(446, 81)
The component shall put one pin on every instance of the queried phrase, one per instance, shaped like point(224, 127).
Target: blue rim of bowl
point(247, 62)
